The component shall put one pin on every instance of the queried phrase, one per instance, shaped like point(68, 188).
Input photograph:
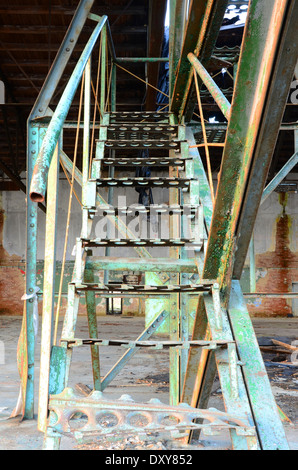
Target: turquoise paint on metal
point(40, 172)
point(57, 370)
point(35, 136)
point(30, 277)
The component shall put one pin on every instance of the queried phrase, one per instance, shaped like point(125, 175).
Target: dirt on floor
point(146, 376)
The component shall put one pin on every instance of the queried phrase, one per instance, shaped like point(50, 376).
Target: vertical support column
point(175, 232)
point(102, 107)
point(86, 149)
point(113, 87)
point(185, 310)
point(27, 350)
point(103, 70)
point(86, 132)
point(48, 290)
point(177, 19)
point(92, 324)
point(270, 428)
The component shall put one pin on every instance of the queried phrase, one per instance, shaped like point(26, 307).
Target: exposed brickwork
point(281, 266)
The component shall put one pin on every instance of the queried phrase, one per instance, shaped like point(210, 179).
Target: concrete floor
point(145, 377)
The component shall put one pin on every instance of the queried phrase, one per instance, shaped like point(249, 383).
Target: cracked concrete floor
point(144, 377)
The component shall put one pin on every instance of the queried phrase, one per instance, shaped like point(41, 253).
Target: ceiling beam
point(44, 29)
point(44, 47)
point(59, 10)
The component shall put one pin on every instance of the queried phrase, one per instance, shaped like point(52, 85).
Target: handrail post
point(113, 87)
point(103, 70)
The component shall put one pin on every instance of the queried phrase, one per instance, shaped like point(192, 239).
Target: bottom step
point(103, 417)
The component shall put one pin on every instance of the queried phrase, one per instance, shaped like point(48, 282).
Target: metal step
point(138, 144)
point(139, 131)
point(106, 417)
point(151, 161)
point(163, 289)
point(139, 116)
point(165, 182)
point(77, 342)
point(189, 210)
point(135, 242)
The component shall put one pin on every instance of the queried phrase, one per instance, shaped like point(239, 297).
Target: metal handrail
point(43, 161)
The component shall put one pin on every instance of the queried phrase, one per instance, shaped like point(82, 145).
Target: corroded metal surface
point(116, 418)
point(229, 352)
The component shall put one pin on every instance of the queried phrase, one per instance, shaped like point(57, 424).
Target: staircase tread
point(143, 287)
point(141, 242)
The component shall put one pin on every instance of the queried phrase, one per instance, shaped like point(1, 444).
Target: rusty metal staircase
point(194, 294)
point(143, 131)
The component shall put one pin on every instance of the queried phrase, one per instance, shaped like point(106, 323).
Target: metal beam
point(214, 90)
point(270, 429)
point(256, 66)
point(291, 163)
point(204, 22)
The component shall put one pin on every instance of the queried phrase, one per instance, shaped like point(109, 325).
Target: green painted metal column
point(270, 428)
point(256, 61)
